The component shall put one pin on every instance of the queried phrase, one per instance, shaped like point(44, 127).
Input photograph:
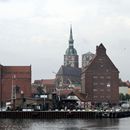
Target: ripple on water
point(65, 124)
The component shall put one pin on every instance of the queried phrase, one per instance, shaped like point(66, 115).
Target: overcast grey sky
point(36, 32)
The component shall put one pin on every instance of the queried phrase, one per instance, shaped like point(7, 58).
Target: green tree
point(40, 90)
point(127, 96)
point(122, 97)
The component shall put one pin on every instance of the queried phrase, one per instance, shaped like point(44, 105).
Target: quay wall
point(59, 114)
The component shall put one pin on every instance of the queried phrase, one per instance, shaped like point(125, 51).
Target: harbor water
point(65, 124)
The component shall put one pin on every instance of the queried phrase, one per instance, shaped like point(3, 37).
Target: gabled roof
point(46, 82)
point(97, 56)
point(69, 71)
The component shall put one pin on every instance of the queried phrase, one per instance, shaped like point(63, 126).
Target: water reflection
point(65, 124)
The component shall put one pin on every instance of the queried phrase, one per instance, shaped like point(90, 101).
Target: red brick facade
point(17, 76)
point(100, 79)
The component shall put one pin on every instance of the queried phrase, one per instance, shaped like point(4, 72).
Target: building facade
point(71, 58)
point(47, 85)
point(14, 80)
point(100, 79)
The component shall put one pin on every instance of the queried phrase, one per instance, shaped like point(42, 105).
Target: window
point(108, 97)
point(107, 70)
point(101, 65)
point(108, 90)
point(100, 59)
point(101, 83)
point(95, 90)
point(101, 77)
point(95, 83)
point(108, 77)
point(102, 90)
point(95, 96)
point(95, 77)
point(101, 96)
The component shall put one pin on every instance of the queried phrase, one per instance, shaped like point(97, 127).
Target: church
point(69, 73)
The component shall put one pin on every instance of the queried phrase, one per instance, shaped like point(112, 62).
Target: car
point(56, 110)
point(125, 105)
point(83, 109)
point(117, 109)
point(89, 109)
point(2, 109)
point(27, 109)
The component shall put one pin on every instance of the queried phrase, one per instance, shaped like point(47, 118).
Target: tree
point(127, 96)
point(40, 90)
point(121, 96)
point(124, 97)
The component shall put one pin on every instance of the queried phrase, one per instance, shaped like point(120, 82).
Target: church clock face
point(69, 57)
point(73, 58)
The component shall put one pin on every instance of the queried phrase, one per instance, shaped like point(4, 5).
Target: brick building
point(47, 85)
point(17, 76)
point(100, 78)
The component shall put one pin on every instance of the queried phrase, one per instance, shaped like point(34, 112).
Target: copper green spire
point(71, 37)
point(71, 50)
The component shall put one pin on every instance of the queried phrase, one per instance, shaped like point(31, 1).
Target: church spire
point(71, 57)
point(71, 50)
point(71, 37)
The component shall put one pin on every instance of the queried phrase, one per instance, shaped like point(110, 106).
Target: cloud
point(14, 9)
point(39, 40)
point(38, 31)
point(4, 0)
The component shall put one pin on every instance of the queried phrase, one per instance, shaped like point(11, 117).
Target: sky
point(36, 32)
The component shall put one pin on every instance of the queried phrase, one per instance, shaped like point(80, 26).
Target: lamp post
point(13, 95)
point(22, 97)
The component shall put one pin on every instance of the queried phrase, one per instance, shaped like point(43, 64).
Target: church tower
point(71, 57)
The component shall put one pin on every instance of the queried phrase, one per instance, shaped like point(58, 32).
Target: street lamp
point(22, 97)
point(13, 95)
